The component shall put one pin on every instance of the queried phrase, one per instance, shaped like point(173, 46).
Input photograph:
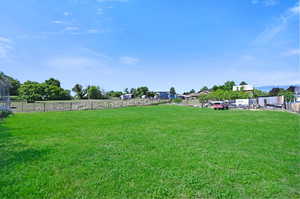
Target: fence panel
point(79, 105)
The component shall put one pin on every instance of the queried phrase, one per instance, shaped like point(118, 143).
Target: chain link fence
point(81, 105)
point(4, 95)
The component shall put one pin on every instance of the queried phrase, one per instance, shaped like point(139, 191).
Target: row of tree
point(225, 92)
point(51, 90)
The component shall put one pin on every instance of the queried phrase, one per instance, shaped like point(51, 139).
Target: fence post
point(44, 106)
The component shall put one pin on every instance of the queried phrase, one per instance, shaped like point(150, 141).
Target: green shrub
point(4, 113)
point(177, 100)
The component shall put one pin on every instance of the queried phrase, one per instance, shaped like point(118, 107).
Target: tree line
point(51, 90)
point(225, 92)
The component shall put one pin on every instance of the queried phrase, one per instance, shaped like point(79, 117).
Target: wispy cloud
point(58, 22)
point(71, 28)
point(280, 25)
point(292, 52)
point(5, 48)
point(129, 60)
point(5, 40)
point(266, 3)
point(67, 14)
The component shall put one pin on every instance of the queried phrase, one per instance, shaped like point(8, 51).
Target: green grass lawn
point(150, 152)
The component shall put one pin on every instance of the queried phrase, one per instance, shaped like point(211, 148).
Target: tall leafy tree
point(53, 82)
point(32, 91)
point(204, 88)
point(140, 91)
point(275, 91)
point(172, 91)
point(228, 85)
point(288, 95)
point(126, 90)
point(14, 84)
point(79, 90)
point(94, 92)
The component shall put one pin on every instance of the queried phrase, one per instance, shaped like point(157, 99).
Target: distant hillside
point(268, 88)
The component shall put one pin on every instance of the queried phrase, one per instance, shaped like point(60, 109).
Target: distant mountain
point(268, 88)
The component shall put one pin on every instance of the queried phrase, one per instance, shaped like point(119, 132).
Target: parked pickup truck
point(220, 105)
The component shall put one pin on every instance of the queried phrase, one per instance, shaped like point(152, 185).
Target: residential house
point(271, 101)
point(164, 95)
point(243, 88)
point(126, 96)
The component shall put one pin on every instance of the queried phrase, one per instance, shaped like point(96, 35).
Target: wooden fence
point(80, 105)
point(294, 107)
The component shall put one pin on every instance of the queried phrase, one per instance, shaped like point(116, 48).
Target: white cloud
point(71, 28)
point(266, 3)
point(129, 60)
point(292, 52)
point(295, 9)
point(67, 14)
point(280, 25)
point(58, 22)
point(5, 40)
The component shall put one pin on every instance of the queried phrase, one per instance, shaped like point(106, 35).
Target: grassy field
point(150, 152)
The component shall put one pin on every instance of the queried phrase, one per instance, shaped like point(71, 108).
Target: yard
point(150, 152)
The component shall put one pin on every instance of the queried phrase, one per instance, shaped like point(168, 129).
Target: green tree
point(288, 95)
point(94, 92)
point(228, 85)
point(133, 92)
point(259, 93)
point(53, 82)
point(126, 91)
point(32, 91)
point(53, 92)
point(140, 91)
point(14, 84)
point(275, 91)
point(151, 94)
point(192, 91)
point(172, 91)
point(203, 98)
point(204, 88)
point(114, 93)
point(79, 90)
point(215, 87)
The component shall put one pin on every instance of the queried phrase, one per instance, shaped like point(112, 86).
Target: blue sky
point(158, 43)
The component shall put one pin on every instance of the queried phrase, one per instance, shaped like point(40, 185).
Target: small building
point(126, 97)
point(242, 102)
point(164, 95)
point(271, 101)
point(192, 96)
point(243, 88)
point(296, 91)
